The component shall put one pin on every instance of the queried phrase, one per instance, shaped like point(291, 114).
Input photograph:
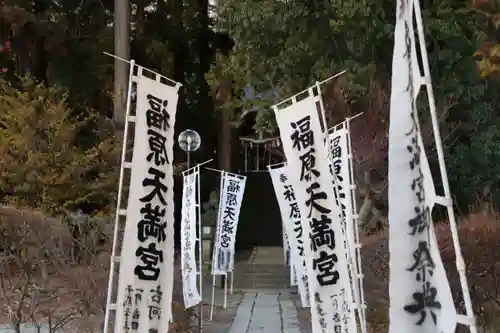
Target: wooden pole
point(122, 50)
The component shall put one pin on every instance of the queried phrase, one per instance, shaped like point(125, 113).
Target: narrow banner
point(227, 223)
point(448, 322)
point(188, 239)
point(340, 164)
point(294, 282)
point(286, 246)
point(308, 169)
point(420, 297)
point(343, 196)
point(147, 258)
point(292, 224)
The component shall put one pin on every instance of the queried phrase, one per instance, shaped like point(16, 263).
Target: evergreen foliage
point(52, 157)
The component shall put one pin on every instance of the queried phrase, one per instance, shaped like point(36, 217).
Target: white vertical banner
point(293, 226)
point(147, 258)
point(420, 296)
point(308, 168)
point(189, 224)
point(340, 164)
point(286, 246)
point(233, 187)
point(294, 282)
point(339, 157)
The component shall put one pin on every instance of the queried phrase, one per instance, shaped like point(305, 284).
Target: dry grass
point(42, 280)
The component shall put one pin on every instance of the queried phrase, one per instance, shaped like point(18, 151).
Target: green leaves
point(290, 45)
point(45, 163)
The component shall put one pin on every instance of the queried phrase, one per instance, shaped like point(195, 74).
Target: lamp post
point(190, 141)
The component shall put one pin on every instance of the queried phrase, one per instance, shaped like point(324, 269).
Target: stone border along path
point(222, 318)
point(266, 312)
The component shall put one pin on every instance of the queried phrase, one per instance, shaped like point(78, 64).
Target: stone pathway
point(269, 310)
point(266, 312)
point(222, 318)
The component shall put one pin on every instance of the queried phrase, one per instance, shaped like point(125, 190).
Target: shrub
point(53, 157)
point(41, 276)
point(40, 281)
point(479, 237)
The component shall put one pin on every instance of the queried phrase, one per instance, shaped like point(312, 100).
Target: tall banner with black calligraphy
point(233, 187)
point(188, 239)
point(339, 157)
point(308, 169)
point(145, 284)
point(292, 224)
point(420, 296)
point(286, 247)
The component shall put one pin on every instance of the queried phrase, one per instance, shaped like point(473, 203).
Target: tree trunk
point(205, 55)
point(179, 48)
point(40, 61)
point(225, 139)
point(122, 50)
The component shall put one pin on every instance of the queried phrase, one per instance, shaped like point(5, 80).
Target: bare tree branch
point(43, 281)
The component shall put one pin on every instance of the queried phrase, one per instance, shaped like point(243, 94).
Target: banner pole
point(270, 166)
point(212, 169)
point(322, 112)
point(345, 121)
point(355, 222)
point(177, 84)
point(232, 282)
point(225, 291)
point(119, 199)
point(197, 166)
point(213, 298)
point(305, 90)
point(459, 260)
point(200, 249)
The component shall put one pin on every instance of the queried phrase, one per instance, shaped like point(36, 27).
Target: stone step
point(251, 282)
point(264, 268)
point(267, 255)
point(261, 286)
point(262, 281)
point(265, 280)
point(246, 275)
point(241, 274)
point(261, 273)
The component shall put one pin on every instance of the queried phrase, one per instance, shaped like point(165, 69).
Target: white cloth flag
point(188, 240)
point(339, 156)
point(308, 169)
point(420, 296)
point(287, 253)
point(340, 163)
point(292, 224)
point(144, 301)
point(233, 187)
point(294, 282)
point(286, 246)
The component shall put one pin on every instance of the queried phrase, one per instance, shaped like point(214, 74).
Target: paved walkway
point(257, 310)
point(266, 312)
point(222, 318)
